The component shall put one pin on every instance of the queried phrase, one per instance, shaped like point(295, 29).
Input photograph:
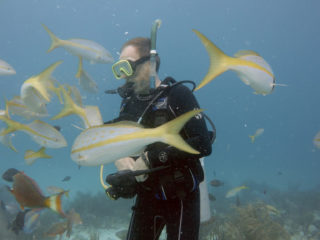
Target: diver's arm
point(195, 132)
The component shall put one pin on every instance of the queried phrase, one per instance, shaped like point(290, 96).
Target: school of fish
point(100, 143)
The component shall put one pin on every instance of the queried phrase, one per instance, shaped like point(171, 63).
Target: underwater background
point(283, 160)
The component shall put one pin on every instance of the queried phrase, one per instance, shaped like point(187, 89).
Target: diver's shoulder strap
point(168, 81)
point(171, 82)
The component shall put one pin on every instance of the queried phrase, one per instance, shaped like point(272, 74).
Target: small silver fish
point(6, 69)
point(258, 133)
point(89, 50)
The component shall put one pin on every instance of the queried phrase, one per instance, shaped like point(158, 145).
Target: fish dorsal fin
point(242, 53)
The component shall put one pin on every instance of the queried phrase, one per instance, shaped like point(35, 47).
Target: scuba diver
point(168, 195)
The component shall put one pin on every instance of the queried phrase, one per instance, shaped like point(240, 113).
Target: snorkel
point(126, 89)
point(153, 53)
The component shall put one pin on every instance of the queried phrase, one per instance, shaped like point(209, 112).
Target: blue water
point(285, 33)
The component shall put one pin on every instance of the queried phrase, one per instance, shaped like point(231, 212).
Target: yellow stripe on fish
point(41, 132)
point(109, 142)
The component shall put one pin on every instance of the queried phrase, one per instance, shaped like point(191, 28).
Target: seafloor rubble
point(276, 215)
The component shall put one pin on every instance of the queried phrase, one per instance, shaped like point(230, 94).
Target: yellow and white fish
point(90, 115)
point(6, 69)
point(6, 140)
point(89, 50)
point(35, 90)
point(85, 81)
point(47, 136)
point(258, 133)
point(110, 142)
point(17, 107)
point(31, 156)
point(252, 69)
point(316, 140)
point(234, 191)
point(42, 133)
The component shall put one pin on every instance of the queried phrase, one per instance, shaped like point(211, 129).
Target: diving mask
point(126, 68)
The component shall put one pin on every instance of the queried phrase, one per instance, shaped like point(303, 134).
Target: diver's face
point(140, 77)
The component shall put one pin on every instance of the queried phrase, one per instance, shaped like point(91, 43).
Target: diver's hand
point(123, 184)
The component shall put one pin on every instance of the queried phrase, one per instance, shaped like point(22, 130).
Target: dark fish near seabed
point(216, 183)
point(66, 178)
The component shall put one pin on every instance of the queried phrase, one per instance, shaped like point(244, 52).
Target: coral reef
point(250, 222)
point(284, 215)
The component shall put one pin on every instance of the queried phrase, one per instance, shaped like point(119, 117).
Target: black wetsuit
point(169, 197)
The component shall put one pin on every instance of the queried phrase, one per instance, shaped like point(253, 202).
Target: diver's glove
point(123, 184)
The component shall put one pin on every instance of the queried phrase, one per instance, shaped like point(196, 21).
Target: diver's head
point(134, 64)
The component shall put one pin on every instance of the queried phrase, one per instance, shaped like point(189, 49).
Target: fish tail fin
point(56, 42)
point(70, 107)
point(252, 137)
point(169, 131)
point(45, 76)
point(54, 203)
point(80, 68)
point(11, 127)
point(219, 61)
point(42, 153)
